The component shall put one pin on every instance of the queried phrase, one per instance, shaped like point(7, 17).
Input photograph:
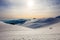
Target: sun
point(30, 3)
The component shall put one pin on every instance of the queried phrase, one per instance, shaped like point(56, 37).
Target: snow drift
point(14, 32)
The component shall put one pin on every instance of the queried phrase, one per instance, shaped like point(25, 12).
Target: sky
point(10, 9)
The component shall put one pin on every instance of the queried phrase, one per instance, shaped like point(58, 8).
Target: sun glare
point(30, 3)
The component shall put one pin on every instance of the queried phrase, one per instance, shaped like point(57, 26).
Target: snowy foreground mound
point(15, 32)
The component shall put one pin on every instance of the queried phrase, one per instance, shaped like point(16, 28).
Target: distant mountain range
point(42, 22)
point(14, 22)
point(34, 23)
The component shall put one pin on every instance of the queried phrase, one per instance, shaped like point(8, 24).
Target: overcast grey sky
point(29, 8)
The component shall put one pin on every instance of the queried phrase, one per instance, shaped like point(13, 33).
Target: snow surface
point(17, 32)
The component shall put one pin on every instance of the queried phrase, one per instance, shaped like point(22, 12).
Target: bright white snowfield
point(14, 32)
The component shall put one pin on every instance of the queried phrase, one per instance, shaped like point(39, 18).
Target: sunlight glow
point(30, 3)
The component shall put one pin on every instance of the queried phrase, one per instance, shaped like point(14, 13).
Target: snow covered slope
point(14, 32)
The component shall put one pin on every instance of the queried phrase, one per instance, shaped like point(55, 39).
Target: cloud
point(4, 4)
point(18, 8)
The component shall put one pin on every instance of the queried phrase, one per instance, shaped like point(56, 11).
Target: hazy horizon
point(13, 9)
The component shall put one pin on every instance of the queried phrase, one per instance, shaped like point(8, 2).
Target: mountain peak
point(58, 17)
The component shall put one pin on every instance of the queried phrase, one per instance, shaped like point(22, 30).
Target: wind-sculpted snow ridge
point(34, 23)
point(8, 27)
